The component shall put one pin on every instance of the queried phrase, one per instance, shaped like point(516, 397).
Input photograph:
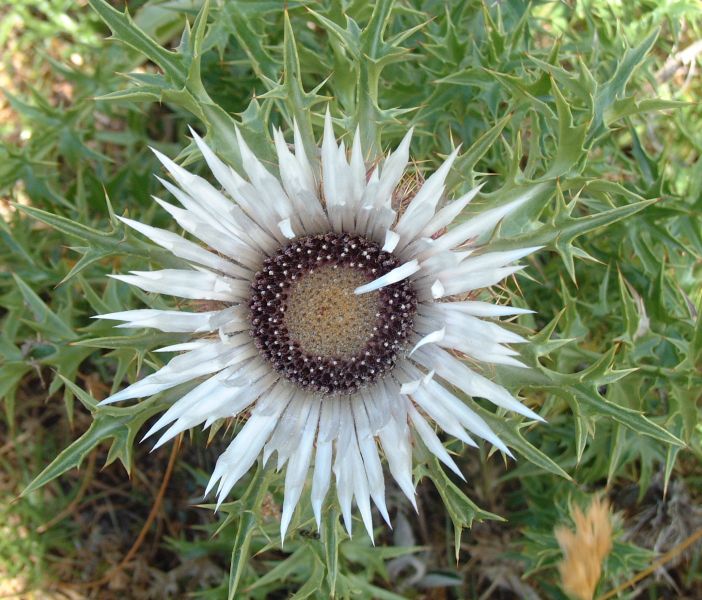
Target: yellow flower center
point(324, 315)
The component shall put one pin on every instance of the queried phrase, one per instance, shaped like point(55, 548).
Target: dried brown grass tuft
point(585, 549)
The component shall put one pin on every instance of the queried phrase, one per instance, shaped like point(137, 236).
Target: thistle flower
point(339, 320)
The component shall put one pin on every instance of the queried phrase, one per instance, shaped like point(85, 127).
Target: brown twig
point(672, 553)
point(145, 528)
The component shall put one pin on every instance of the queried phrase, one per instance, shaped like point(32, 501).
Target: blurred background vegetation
point(512, 80)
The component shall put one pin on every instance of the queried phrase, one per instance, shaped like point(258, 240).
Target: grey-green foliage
point(616, 344)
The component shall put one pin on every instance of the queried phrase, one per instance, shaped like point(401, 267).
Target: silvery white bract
point(327, 410)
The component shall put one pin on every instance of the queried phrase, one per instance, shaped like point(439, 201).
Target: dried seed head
point(585, 549)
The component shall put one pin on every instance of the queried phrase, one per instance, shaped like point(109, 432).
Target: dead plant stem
point(672, 553)
point(147, 524)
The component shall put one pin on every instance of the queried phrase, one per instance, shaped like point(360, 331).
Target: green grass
point(592, 106)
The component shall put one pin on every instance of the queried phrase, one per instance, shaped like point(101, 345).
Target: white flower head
point(337, 318)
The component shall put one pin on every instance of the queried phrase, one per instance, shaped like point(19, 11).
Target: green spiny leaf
point(125, 29)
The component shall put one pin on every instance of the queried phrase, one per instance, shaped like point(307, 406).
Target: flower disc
point(314, 329)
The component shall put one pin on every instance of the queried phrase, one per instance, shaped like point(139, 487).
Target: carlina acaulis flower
point(338, 321)
point(585, 549)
